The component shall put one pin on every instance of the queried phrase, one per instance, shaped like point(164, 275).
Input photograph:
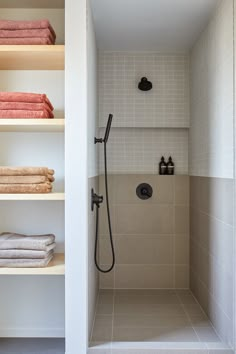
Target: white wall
point(211, 132)
point(92, 163)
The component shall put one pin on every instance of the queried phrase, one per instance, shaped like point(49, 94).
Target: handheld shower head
point(107, 132)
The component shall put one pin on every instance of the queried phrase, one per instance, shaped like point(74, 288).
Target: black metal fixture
point(144, 84)
point(95, 199)
point(144, 191)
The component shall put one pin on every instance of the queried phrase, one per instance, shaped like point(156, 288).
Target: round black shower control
point(144, 191)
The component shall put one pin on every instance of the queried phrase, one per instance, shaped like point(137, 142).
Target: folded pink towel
point(26, 41)
point(17, 25)
point(26, 107)
point(34, 33)
point(25, 97)
point(24, 114)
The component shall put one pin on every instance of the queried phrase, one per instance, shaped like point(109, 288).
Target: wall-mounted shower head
point(107, 132)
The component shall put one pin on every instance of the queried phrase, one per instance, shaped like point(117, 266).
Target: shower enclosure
point(172, 285)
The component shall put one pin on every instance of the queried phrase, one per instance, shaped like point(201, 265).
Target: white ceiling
point(165, 25)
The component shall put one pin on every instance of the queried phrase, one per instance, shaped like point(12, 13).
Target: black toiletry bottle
point(162, 166)
point(170, 167)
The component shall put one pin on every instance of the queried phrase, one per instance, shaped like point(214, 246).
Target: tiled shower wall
point(136, 145)
point(166, 105)
point(211, 169)
point(151, 236)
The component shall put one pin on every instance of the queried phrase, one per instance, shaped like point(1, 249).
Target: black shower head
point(106, 136)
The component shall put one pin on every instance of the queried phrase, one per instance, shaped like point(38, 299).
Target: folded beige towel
point(25, 171)
point(19, 254)
point(26, 188)
point(11, 240)
point(25, 263)
point(25, 179)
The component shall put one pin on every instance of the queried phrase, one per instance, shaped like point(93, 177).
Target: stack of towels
point(25, 105)
point(26, 251)
point(26, 179)
point(26, 32)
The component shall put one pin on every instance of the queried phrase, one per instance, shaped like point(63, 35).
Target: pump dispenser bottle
point(162, 166)
point(170, 167)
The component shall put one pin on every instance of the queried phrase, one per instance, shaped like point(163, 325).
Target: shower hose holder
point(95, 199)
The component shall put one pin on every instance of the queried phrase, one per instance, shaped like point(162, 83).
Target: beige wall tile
point(144, 276)
point(181, 219)
point(106, 280)
point(182, 276)
point(137, 219)
point(182, 249)
point(144, 249)
point(182, 190)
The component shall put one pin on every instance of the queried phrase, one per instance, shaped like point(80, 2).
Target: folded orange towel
point(26, 188)
point(25, 171)
point(26, 41)
point(17, 25)
point(25, 179)
point(29, 33)
point(24, 114)
point(27, 97)
point(26, 107)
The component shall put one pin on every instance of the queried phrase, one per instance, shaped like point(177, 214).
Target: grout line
point(188, 317)
point(208, 317)
point(112, 324)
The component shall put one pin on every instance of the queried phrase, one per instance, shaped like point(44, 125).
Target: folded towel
point(25, 179)
point(10, 240)
point(14, 114)
point(25, 97)
point(26, 188)
point(21, 25)
point(26, 41)
point(25, 171)
point(28, 33)
point(19, 254)
point(25, 263)
point(24, 106)
point(25, 114)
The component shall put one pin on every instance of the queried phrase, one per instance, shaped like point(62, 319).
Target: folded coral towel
point(26, 106)
point(25, 97)
point(25, 171)
point(25, 179)
point(25, 263)
point(26, 188)
point(26, 41)
point(32, 254)
point(21, 25)
point(11, 240)
point(25, 114)
point(29, 33)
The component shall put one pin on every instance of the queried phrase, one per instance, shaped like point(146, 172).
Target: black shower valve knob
point(144, 191)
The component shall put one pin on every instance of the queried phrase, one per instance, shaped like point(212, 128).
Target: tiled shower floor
point(139, 321)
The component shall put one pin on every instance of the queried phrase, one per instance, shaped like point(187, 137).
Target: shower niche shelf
point(32, 125)
point(55, 267)
point(47, 196)
point(150, 126)
point(32, 57)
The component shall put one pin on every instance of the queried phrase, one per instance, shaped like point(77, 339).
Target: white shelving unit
point(50, 61)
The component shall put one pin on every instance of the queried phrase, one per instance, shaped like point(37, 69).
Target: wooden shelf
point(32, 125)
point(55, 267)
point(42, 196)
point(32, 57)
point(32, 4)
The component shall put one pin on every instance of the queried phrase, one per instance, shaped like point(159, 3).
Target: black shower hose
point(109, 222)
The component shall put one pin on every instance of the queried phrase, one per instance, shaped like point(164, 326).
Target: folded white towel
point(10, 240)
point(30, 254)
point(25, 263)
